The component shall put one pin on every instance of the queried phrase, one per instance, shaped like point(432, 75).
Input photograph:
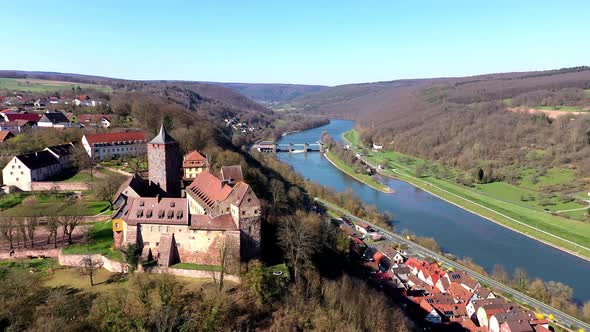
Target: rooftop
point(109, 138)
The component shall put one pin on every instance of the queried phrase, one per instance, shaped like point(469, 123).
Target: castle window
point(149, 213)
point(160, 229)
point(255, 211)
point(249, 200)
point(243, 212)
point(146, 243)
point(172, 204)
point(161, 214)
point(157, 244)
point(170, 214)
point(180, 230)
point(152, 229)
point(141, 203)
point(167, 229)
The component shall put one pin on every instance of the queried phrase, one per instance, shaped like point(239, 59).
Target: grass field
point(38, 85)
point(364, 178)
point(40, 205)
point(100, 242)
point(502, 198)
point(201, 267)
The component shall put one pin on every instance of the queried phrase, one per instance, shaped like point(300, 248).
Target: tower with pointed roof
point(164, 163)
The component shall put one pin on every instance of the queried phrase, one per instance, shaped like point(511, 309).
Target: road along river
point(457, 231)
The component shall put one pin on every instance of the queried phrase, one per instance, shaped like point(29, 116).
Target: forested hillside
point(272, 92)
point(470, 122)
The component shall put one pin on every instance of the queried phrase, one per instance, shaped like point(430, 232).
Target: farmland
point(45, 86)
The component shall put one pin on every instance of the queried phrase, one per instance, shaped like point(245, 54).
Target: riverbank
point(537, 225)
point(366, 179)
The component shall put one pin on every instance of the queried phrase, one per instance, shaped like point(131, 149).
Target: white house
point(362, 227)
point(29, 167)
point(54, 120)
point(377, 147)
point(114, 145)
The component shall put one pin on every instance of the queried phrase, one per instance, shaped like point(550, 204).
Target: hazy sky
point(314, 42)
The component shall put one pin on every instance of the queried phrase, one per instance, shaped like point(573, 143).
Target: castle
point(152, 214)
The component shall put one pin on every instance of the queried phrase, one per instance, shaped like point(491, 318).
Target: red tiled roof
point(224, 222)
point(115, 137)
point(23, 116)
point(193, 159)
point(459, 293)
point(208, 188)
point(4, 135)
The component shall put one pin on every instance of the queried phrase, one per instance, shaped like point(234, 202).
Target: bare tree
point(229, 256)
point(21, 226)
point(297, 236)
point(88, 266)
point(138, 162)
point(32, 223)
point(83, 161)
point(52, 226)
point(7, 227)
point(69, 223)
point(106, 189)
point(278, 192)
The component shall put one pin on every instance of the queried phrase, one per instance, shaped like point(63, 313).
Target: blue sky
point(312, 42)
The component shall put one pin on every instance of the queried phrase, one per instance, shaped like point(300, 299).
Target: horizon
point(304, 43)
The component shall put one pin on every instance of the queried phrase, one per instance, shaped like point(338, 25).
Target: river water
point(457, 231)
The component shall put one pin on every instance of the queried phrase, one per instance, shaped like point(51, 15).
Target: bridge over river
point(273, 147)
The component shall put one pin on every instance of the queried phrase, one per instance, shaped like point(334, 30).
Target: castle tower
point(164, 163)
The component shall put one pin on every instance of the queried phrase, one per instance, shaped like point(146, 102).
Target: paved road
point(560, 317)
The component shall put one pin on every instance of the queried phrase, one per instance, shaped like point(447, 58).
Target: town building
point(95, 120)
point(193, 164)
point(152, 215)
point(22, 170)
point(114, 145)
point(10, 117)
point(17, 127)
point(54, 120)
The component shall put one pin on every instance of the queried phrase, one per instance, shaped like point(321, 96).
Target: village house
point(395, 256)
point(193, 163)
point(11, 117)
point(114, 145)
point(54, 119)
point(95, 120)
point(151, 214)
point(26, 168)
point(16, 127)
point(362, 227)
point(5, 135)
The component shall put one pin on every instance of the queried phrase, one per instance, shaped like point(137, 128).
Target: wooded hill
point(270, 92)
point(470, 121)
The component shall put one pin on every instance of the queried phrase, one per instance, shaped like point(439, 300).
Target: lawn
point(100, 242)
point(364, 178)
point(553, 176)
point(38, 85)
point(11, 200)
point(201, 267)
point(352, 137)
point(43, 204)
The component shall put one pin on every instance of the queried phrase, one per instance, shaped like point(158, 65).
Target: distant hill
point(468, 122)
point(272, 92)
point(185, 92)
point(382, 102)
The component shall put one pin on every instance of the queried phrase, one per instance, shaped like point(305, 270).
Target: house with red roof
point(5, 135)
point(114, 145)
point(11, 117)
point(193, 164)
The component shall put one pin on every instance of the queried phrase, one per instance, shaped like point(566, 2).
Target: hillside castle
point(215, 213)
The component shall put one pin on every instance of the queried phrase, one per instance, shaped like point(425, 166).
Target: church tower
point(164, 163)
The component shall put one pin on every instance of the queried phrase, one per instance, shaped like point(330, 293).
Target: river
point(457, 231)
